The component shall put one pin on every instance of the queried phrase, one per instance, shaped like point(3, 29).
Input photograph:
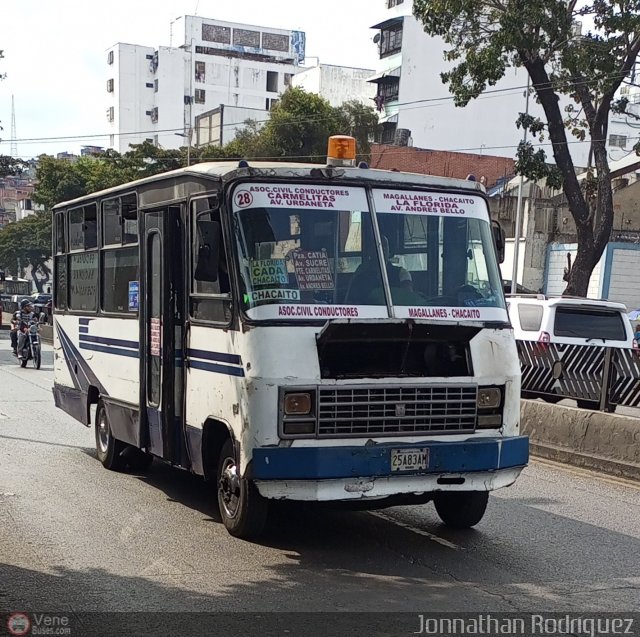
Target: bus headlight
point(298, 404)
point(297, 412)
point(490, 406)
point(489, 398)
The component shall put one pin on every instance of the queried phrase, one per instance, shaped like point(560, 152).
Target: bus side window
point(210, 298)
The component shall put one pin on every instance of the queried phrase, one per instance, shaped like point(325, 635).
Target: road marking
point(414, 529)
point(587, 473)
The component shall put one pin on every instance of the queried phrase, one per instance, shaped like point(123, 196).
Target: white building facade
point(156, 94)
point(337, 84)
point(412, 98)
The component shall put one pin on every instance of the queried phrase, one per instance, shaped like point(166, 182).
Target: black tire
point(242, 509)
point(461, 509)
point(37, 357)
point(108, 449)
point(136, 460)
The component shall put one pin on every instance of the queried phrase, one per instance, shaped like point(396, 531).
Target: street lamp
point(188, 136)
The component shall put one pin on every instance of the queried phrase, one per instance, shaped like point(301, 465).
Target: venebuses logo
point(18, 624)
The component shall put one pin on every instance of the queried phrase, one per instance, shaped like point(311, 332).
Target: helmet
point(24, 303)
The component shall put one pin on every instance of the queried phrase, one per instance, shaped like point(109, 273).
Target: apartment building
point(416, 107)
point(156, 94)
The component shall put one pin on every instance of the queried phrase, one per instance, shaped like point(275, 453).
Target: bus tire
point(242, 509)
point(461, 509)
point(108, 449)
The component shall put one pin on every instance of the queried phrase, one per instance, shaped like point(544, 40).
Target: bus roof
point(226, 171)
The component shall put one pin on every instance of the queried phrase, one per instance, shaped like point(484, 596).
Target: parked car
point(563, 344)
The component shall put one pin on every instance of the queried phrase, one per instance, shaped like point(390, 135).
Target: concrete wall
point(337, 84)
point(590, 439)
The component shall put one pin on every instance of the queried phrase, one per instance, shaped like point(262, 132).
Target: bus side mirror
point(208, 251)
point(498, 240)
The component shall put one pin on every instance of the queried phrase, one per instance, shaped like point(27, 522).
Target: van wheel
point(461, 509)
point(242, 508)
point(108, 449)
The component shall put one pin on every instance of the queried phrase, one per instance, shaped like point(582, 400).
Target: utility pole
point(516, 244)
point(14, 137)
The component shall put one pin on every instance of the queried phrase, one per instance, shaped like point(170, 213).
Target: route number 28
point(244, 199)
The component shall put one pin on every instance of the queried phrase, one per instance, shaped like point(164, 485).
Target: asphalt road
point(75, 537)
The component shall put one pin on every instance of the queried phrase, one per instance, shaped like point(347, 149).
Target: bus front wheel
point(242, 508)
point(461, 509)
point(108, 449)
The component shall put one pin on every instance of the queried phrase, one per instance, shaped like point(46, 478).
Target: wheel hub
point(230, 488)
point(103, 435)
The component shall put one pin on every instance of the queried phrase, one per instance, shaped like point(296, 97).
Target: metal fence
point(596, 377)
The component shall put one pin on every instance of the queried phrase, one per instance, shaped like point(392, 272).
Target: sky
point(55, 60)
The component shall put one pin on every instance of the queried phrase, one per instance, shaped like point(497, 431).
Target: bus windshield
point(309, 251)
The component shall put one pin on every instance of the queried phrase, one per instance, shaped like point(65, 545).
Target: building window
point(245, 37)
point(391, 40)
point(110, 114)
point(388, 91)
point(200, 96)
point(149, 84)
point(287, 79)
point(275, 42)
point(200, 72)
point(149, 56)
point(154, 114)
point(110, 85)
point(270, 103)
point(110, 57)
point(388, 133)
point(272, 82)
point(216, 33)
point(393, 3)
point(618, 141)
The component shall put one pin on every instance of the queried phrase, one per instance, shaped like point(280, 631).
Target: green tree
point(361, 122)
point(28, 243)
point(488, 36)
point(299, 127)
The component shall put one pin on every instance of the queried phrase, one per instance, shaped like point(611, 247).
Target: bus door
point(162, 325)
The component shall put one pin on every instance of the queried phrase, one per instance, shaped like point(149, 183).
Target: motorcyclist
point(20, 321)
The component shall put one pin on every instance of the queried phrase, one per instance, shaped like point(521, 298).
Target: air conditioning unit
point(110, 85)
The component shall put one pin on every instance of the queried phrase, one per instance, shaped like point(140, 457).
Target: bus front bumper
point(348, 473)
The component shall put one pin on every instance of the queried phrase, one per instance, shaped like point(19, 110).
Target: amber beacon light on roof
point(341, 151)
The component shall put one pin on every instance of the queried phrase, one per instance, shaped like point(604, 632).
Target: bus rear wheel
point(461, 509)
point(242, 509)
point(108, 449)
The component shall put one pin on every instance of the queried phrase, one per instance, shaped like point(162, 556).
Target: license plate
point(409, 459)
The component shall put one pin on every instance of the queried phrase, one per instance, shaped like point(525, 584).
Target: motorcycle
point(31, 350)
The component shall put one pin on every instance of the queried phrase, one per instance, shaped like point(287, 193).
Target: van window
point(594, 324)
point(530, 316)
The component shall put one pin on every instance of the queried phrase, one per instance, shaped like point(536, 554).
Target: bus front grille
point(385, 411)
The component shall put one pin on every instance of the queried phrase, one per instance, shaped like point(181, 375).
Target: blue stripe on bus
point(83, 329)
point(217, 369)
point(108, 341)
point(325, 463)
point(105, 349)
point(219, 357)
point(85, 321)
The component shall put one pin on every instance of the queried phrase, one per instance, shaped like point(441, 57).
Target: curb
point(585, 461)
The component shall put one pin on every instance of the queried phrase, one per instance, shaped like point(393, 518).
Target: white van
point(563, 344)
